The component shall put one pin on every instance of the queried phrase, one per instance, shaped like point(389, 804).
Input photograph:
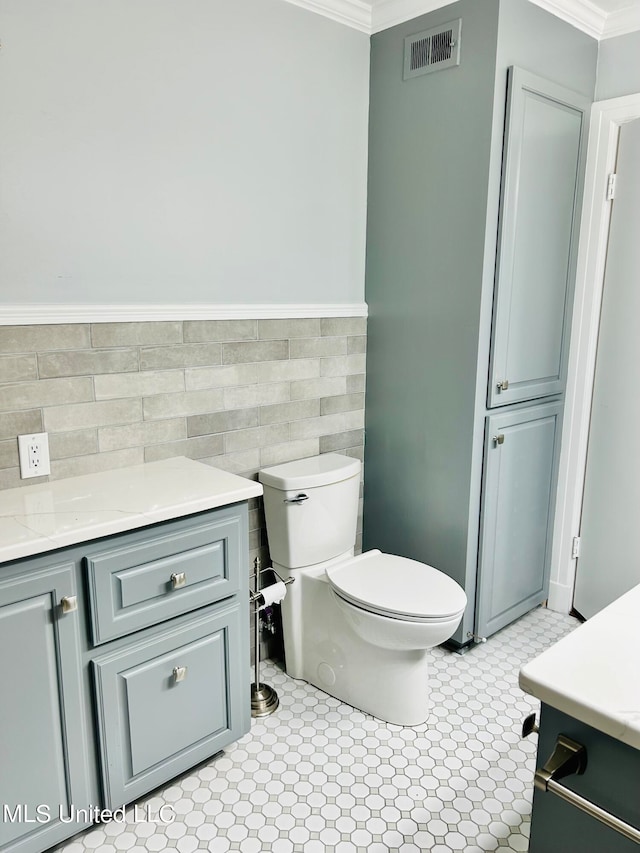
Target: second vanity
point(124, 640)
point(587, 786)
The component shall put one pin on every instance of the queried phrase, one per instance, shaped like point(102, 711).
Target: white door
point(609, 562)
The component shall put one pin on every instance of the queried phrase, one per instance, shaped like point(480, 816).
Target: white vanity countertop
point(35, 519)
point(593, 674)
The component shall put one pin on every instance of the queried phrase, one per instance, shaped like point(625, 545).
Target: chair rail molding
point(42, 314)
point(607, 117)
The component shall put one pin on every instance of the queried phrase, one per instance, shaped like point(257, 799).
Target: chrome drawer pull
point(594, 811)
point(570, 757)
point(178, 579)
point(69, 603)
point(179, 673)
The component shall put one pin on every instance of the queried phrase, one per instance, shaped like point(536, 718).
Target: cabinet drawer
point(169, 702)
point(153, 575)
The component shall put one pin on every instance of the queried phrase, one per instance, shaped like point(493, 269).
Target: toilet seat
point(397, 587)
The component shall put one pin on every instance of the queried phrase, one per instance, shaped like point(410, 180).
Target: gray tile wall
point(236, 394)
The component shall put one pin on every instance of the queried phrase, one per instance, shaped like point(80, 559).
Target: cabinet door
point(43, 776)
point(521, 450)
point(539, 216)
point(171, 700)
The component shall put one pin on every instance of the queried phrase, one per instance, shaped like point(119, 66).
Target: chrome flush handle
point(301, 498)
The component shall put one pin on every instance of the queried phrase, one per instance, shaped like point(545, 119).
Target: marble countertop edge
point(593, 674)
point(42, 518)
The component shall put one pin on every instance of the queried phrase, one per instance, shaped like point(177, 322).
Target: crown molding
point(41, 314)
point(581, 14)
point(353, 13)
point(372, 16)
point(622, 22)
point(388, 13)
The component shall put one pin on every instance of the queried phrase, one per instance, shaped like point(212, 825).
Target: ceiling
point(599, 18)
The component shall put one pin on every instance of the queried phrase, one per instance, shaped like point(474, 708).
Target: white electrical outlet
point(33, 451)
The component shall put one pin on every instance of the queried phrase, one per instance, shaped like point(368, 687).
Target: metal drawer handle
point(69, 603)
point(568, 758)
point(179, 673)
point(178, 579)
point(297, 500)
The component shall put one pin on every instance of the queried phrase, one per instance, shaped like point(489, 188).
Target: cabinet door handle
point(178, 579)
point(179, 673)
point(498, 439)
point(69, 603)
point(503, 385)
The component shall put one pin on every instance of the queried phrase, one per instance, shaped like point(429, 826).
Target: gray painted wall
point(618, 67)
point(541, 43)
point(434, 181)
point(181, 151)
point(430, 142)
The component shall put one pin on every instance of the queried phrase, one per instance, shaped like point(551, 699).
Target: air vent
point(432, 50)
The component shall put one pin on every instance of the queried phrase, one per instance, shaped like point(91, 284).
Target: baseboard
point(560, 597)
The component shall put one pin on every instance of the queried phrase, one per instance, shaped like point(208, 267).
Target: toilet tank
point(311, 508)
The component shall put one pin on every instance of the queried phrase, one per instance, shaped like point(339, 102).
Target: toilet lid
point(397, 587)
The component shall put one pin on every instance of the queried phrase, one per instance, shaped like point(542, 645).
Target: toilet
point(358, 627)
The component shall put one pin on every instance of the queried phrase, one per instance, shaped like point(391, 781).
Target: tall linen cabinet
point(475, 177)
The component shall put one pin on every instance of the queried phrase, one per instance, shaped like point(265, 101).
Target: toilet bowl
point(396, 603)
point(358, 627)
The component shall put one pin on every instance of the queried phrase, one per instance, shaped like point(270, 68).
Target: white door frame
point(606, 120)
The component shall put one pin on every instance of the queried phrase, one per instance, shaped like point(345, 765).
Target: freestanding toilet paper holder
point(264, 699)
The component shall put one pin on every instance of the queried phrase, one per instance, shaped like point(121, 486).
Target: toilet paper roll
point(273, 594)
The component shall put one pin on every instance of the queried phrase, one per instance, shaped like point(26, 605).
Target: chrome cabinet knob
point(498, 439)
point(179, 673)
point(178, 579)
point(69, 603)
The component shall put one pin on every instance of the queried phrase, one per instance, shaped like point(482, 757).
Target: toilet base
point(322, 649)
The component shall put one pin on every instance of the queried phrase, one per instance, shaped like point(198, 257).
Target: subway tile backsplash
point(236, 394)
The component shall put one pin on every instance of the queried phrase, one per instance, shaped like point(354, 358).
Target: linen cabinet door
point(521, 452)
point(43, 774)
point(539, 218)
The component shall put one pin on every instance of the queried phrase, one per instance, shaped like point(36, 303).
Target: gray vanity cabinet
point(43, 766)
point(170, 695)
point(539, 219)
point(124, 661)
point(521, 453)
